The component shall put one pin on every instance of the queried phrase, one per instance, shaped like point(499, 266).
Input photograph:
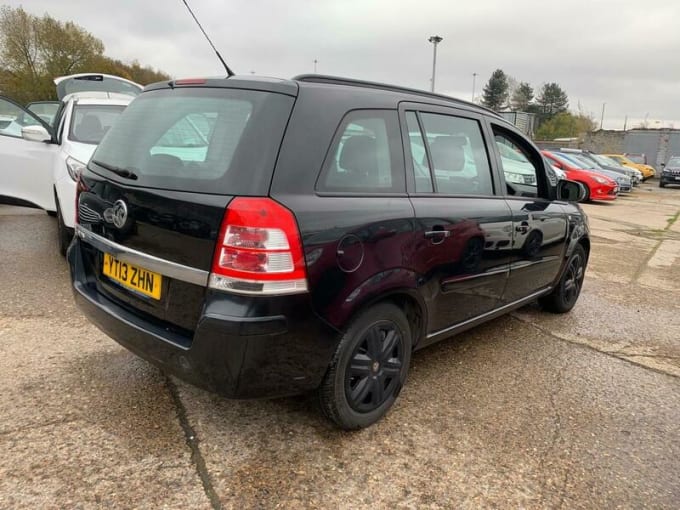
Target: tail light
point(259, 250)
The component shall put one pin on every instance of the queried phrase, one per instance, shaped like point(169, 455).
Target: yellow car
point(647, 171)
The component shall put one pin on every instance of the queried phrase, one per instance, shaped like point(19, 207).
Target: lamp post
point(602, 118)
point(315, 61)
point(435, 40)
point(474, 80)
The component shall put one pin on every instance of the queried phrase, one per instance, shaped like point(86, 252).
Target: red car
point(598, 186)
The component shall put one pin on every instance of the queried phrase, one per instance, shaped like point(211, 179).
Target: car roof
point(366, 89)
point(415, 95)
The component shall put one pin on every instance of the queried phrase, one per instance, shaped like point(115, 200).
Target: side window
point(459, 158)
point(366, 155)
point(421, 166)
point(13, 118)
point(522, 174)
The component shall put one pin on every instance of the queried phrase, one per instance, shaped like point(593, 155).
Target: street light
point(435, 40)
point(315, 62)
point(474, 79)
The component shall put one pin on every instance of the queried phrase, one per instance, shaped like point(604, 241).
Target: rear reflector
point(259, 250)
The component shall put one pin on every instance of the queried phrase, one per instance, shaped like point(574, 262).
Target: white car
point(44, 146)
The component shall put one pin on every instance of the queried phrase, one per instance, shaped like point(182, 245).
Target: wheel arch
point(408, 300)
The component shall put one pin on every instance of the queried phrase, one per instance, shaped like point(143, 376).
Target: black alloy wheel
point(573, 278)
point(375, 367)
point(368, 369)
point(566, 293)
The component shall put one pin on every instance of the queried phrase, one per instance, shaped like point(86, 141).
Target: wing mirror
point(35, 134)
point(570, 191)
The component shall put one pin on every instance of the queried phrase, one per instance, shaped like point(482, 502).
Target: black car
point(670, 172)
point(263, 238)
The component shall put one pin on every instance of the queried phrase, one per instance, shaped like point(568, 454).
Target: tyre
point(564, 295)
point(368, 369)
point(52, 214)
point(587, 197)
point(662, 184)
point(64, 234)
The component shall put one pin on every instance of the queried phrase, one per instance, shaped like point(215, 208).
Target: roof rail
point(337, 80)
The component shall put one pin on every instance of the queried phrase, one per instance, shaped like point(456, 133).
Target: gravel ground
point(529, 411)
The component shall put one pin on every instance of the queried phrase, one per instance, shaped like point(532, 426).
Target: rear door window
point(210, 140)
point(366, 155)
point(456, 155)
point(89, 123)
point(421, 167)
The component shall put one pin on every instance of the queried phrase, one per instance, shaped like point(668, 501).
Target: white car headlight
point(513, 177)
point(600, 179)
point(520, 178)
point(74, 168)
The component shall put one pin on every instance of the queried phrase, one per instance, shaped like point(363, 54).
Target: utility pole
point(435, 40)
point(602, 118)
point(474, 79)
point(625, 122)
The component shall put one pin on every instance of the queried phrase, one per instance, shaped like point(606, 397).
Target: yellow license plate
point(133, 277)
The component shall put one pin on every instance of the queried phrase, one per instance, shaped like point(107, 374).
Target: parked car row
point(45, 145)
point(603, 176)
point(637, 161)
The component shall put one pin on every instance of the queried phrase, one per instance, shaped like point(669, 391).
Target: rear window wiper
point(123, 172)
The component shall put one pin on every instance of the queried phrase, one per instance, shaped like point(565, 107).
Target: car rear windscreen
point(89, 123)
point(205, 140)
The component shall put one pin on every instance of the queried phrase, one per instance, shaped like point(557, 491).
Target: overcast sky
point(624, 53)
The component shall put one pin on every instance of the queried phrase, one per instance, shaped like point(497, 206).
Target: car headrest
point(447, 153)
point(90, 128)
point(359, 155)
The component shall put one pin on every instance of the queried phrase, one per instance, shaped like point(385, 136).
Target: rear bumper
point(242, 347)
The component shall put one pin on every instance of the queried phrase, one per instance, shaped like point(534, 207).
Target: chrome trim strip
point(473, 276)
point(158, 265)
point(509, 306)
point(526, 263)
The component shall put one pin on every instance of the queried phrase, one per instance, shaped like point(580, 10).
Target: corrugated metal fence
point(657, 144)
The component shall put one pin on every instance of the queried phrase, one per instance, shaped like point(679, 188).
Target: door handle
point(437, 236)
point(438, 233)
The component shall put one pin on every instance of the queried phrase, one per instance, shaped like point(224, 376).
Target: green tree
point(565, 125)
point(495, 94)
point(134, 71)
point(522, 97)
point(552, 100)
point(35, 50)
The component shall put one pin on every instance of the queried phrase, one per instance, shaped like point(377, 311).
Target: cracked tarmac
point(531, 410)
